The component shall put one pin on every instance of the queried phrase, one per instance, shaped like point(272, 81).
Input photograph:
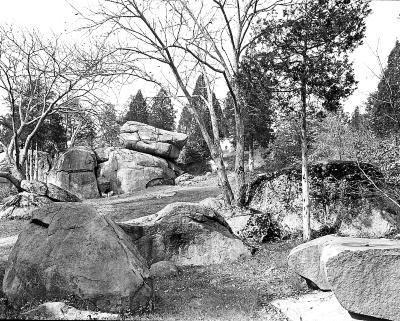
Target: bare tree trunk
point(304, 165)
point(36, 163)
point(31, 163)
point(251, 154)
point(222, 176)
point(27, 167)
point(215, 148)
point(239, 155)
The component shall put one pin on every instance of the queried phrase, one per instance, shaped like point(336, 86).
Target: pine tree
point(137, 109)
point(310, 44)
point(196, 148)
point(383, 106)
point(162, 114)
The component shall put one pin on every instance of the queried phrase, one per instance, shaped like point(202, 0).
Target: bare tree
point(38, 78)
point(188, 38)
point(225, 28)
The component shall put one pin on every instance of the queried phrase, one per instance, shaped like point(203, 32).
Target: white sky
point(383, 28)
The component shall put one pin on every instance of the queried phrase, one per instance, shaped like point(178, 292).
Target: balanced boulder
point(74, 171)
point(362, 273)
point(151, 140)
point(129, 171)
point(186, 234)
point(70, 251)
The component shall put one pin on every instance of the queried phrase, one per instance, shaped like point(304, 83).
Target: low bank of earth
point(240, 290)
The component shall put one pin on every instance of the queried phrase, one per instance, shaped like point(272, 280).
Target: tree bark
point(31, 164)
point(36, 163)
point(223, 177)
point(215, 147)
point(251, 154)
point(239, 155)
point(304, 165)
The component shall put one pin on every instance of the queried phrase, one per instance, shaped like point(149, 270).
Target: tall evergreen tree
point(196, 148)
point(162, 114)
point(383, 106)
point(137, 109)
point(255, 86)
point(310, 44)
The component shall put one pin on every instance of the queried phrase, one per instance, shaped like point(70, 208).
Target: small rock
point(35, 187)
point(163, 269)
point(316, 306)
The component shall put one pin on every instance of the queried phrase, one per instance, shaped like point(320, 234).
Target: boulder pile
point(362, 273)
point(146, 158)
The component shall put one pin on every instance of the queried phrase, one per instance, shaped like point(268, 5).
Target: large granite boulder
point(362, 273)
point(74, 171)
point(186, 234)
point(70, 251)
point(151, 140)
point(129, 171)
point(343, 200)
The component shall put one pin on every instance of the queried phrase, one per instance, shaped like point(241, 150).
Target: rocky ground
point(240, 290)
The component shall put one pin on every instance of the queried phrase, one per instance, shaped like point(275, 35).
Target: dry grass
point(240, 290)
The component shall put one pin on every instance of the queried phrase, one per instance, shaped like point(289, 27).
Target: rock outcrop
point(37, 194)
point(70, 251)
point(186, 234)
point(74, 171)
point(151, 140)
point(362, 273)
point(343, 200)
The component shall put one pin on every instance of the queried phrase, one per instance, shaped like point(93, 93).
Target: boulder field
point(362, 273)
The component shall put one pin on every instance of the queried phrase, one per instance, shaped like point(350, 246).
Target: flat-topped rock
point(151, 140)
point(364, 274)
